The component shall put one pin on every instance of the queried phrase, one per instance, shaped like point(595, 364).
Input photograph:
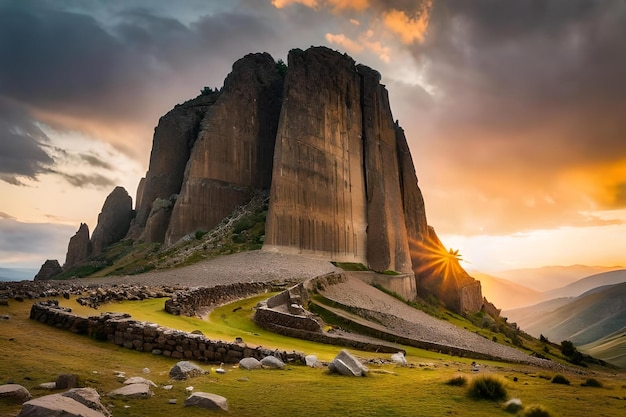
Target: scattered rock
point(207, 400)
point(88, 397)
point(48, 385)
point(513, 405)
point(5, 317)
point(139, 380)
point(172, 401)
point(14, 393)
point(133, 391)
point(58, 405)
point(66, 381)
point(146, 370)
point(250, 363)
point(272, 362)
point(398, 358)
point(185, 369)
point(311, 360)
point(168, 387)
point(346, 364)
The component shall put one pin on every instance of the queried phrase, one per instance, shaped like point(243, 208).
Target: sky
point(515, 111)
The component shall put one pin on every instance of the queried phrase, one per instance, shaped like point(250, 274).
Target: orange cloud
point(344, 42)
point(336, 5)
point(408, 29)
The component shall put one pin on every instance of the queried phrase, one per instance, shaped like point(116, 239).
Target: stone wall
point(191, 302)
point(122, 330)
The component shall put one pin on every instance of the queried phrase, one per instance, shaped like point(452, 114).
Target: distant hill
point(611, 348)
point(506, 294)
point(584, 319)
point(589, 283)
point(549, 278)
point(17, 274)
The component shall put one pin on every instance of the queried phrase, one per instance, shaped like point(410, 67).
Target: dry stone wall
point(123, 330)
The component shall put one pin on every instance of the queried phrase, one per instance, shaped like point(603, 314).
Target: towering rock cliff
point(113, 221)
point(317, 200)
point(234, 148)
point(79, 248)
point(324, 142)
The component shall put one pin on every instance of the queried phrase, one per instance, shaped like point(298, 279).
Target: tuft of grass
point(513, 405)
point(457, 381)
point(560, 379)
point(535, 410)
point(592, 382)
point(487, 387)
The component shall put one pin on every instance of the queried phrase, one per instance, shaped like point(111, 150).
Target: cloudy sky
point(515, 111)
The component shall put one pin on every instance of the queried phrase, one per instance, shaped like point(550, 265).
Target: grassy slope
point(32, 353)
point(611, 348)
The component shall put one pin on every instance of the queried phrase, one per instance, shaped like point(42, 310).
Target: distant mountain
point(549, 278)
point(17, 274)
point(584, 319)
point(506, 294)
point(589, 283)
point(611, 348)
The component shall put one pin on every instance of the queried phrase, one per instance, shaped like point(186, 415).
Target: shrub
point(457, 381)
point(560, 379)
point(592, 382)
point(487, 387)
point(535, 410)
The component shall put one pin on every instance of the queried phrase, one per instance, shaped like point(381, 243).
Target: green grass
point(32, 353)
point(487, 387)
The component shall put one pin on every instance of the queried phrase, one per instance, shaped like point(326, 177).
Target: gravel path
point(253, 266)
point(409, 322)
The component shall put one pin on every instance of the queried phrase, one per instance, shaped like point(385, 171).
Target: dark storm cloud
point(22, 152)
point(510, 66)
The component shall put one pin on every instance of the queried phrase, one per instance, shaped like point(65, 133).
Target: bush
point(535, 410)
point(592, 382)
point(560, 379)
point(487, 387)
point(457, 381)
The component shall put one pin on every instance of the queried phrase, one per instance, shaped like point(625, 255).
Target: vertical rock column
point(233, 152)
point(318, 193)
point(387, 247)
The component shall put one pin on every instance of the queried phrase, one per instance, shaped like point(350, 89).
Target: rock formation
point(113, 220)
point(340, 175)
point(79, 248)
point(234, 149)
point(49, 270)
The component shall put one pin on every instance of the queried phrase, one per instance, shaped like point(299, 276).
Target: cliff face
point(113, 221)
point(323, 141)
point(317, 200)
point(79, 248)
point(234, 148)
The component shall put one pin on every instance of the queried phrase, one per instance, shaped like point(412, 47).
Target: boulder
point(132, 391)
point(65, 381)
point(250, 363)
point(272, 362)
point(346, 364)
point(89, 397)
point(48, 385)
point(49, 270)
point(139, 380)
point(398, 358)
point(311, 360)
point(207, 400)
point(113, 221)
point(14, 393)
point(185, 369)
point(58, 405)
point(79, 248)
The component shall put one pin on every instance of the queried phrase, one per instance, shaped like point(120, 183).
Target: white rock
point(14, 393)
point(346, 364)
point(207, 400)
point(272, 362)
point(250, 363)
point(57, 405)
point(399, 358)
point(133, 391)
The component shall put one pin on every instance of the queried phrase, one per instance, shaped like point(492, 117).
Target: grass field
point(32, 353)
